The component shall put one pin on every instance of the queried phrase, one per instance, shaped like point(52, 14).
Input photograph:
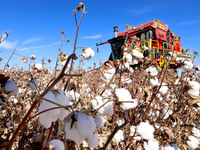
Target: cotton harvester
point(154, 40)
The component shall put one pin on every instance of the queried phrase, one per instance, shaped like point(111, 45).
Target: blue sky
point(35, 26)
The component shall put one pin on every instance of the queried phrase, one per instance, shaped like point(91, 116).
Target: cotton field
point(108, 107)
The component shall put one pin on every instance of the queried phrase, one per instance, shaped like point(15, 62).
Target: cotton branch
point(35, 103)
point(117, 128)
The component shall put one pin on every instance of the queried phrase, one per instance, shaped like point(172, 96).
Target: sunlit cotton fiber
point(151, 145)
point(10, 88)
point(88, 53)
point(56, 144)
point(145, 130)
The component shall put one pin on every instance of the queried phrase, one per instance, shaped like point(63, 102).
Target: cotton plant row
point(104, 104)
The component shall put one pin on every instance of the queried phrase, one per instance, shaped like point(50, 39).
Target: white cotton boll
point(127, 65)
point(85, 125)
point(51, 115)
point(119, 136)
point(44, 119)
point(108, 74)
point(167, 147)
point(179, 60)
point(137, 54)
point(99, 121)
point(88, 53)
point(176, 82)
point(10, 88)
point(188, 65)
point(195, 86)
point(134, 61)
point(15, 100)
point(46, 105)
point(33, 84)
point(109, 109)
point(56, 144)
point(124, 95)
point(154, 82)
point(33, 57)
point(72, 133)
point(151, 145)
point(152, 71)
point(163, 89)
point(196, 132)
point(137, 138)
point(38, 66)
point(63, 100)
point(128, 105)
point(72, 95)
point(193, 142)
point(129, 58)
point(145, 130)
point(132, 130)
point(20, 91)
point(93, 141)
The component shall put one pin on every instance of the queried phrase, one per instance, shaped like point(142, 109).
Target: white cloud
point(92, 36)
point(8, 45)
point(39, 47)
point(32, 40)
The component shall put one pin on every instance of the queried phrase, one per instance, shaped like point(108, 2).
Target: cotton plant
point(145, 130)
point(194, 88)
point(56, 145)
point(188, 65)
point(100, 121)
point(130, 59)
point(132, 130)
point(106, 109)
point(196, 132)
point(108, 74)
point(179, 60)
point(193, 142)
point(32, 57)
point(82, 128)
point(151, 145)
point(119, 136)
point(163, 89)
point(137, 54)
point(38, 66)
point(126, 80)
point(125, 98)
point(165, 112)
point(152, 71)
point(154, 82)
point(33, 84)
point(10, 88)
point(72, 95)
point(48, 117)
point(88, 53)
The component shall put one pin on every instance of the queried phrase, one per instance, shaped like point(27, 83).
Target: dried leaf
point(194, 100)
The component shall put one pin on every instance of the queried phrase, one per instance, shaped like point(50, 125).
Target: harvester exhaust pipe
point(115, 30)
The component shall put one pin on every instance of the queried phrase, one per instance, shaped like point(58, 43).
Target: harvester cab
point(154, 40)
